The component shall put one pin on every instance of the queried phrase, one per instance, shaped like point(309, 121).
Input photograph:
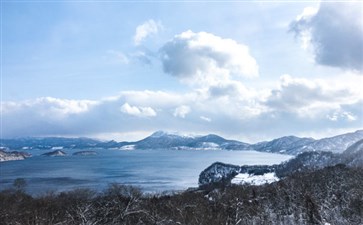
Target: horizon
point(247, 71)
point(182, 134)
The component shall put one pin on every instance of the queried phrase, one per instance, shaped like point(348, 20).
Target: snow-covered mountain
point(282, 145)
point(294, 145)
point(291, 145)
point(48, 143)
point(353, 156)
point(336, 144)
point(164, 140)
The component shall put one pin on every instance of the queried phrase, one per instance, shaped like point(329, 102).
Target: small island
point(85, 153)
point(14, 155)
point(55, 153)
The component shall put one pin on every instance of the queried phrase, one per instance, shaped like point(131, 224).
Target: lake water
point(151, 170)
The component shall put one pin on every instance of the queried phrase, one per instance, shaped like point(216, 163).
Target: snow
point(128, 147)
point(9, 156)
point(245, 178)
point(210, 145)
point(160, 133)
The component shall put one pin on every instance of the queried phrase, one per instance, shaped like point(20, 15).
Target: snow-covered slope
point(245, 178)
point(8, 156)
point(353, 156)
point(164, 140)
point(354, 148)
point(55, 153)
point(282, 145)
point(336, 144)
point(294, 145)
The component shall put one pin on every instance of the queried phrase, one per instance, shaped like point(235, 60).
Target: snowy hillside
point(164, 140)
point(294, 145)
point(260, 174)
point(336, 144)
point(283, 144)
point(14, 155)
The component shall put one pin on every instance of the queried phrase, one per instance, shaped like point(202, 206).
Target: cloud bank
point(304, 103)
point(335, 32)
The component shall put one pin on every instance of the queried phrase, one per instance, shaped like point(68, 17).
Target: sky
point(250, 71)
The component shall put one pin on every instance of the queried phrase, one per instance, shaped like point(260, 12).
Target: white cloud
point(206, 59)
point(335, 32)
point(146, 29)
point(305, 34)
point(338, 115)
point(50, 107)
point(307, 13)
point(138, 111)
point(204, 118)
point(181, 111)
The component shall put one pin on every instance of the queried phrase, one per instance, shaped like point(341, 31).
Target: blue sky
point(121, 70)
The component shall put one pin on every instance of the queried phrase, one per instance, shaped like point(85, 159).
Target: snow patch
point(245, 178)
point(128, 147)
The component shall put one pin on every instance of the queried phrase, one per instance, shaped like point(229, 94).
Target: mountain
point(354, 148)
point(164, 140)
point(158, 140)
point(282, 145)
point(48, 143)
point(291, 145)
point(336, 144)
point(294, 145)
point(353, 156)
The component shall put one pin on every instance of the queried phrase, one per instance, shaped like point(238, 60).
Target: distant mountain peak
point(161, 133)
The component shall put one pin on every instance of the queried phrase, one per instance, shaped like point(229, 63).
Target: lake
point(151, 170)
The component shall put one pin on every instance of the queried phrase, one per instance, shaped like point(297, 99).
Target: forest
point(332, 195)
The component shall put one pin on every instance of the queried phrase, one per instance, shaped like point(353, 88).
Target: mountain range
point(291, 145)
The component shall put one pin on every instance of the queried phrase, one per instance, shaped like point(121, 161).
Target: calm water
point(151, 170)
